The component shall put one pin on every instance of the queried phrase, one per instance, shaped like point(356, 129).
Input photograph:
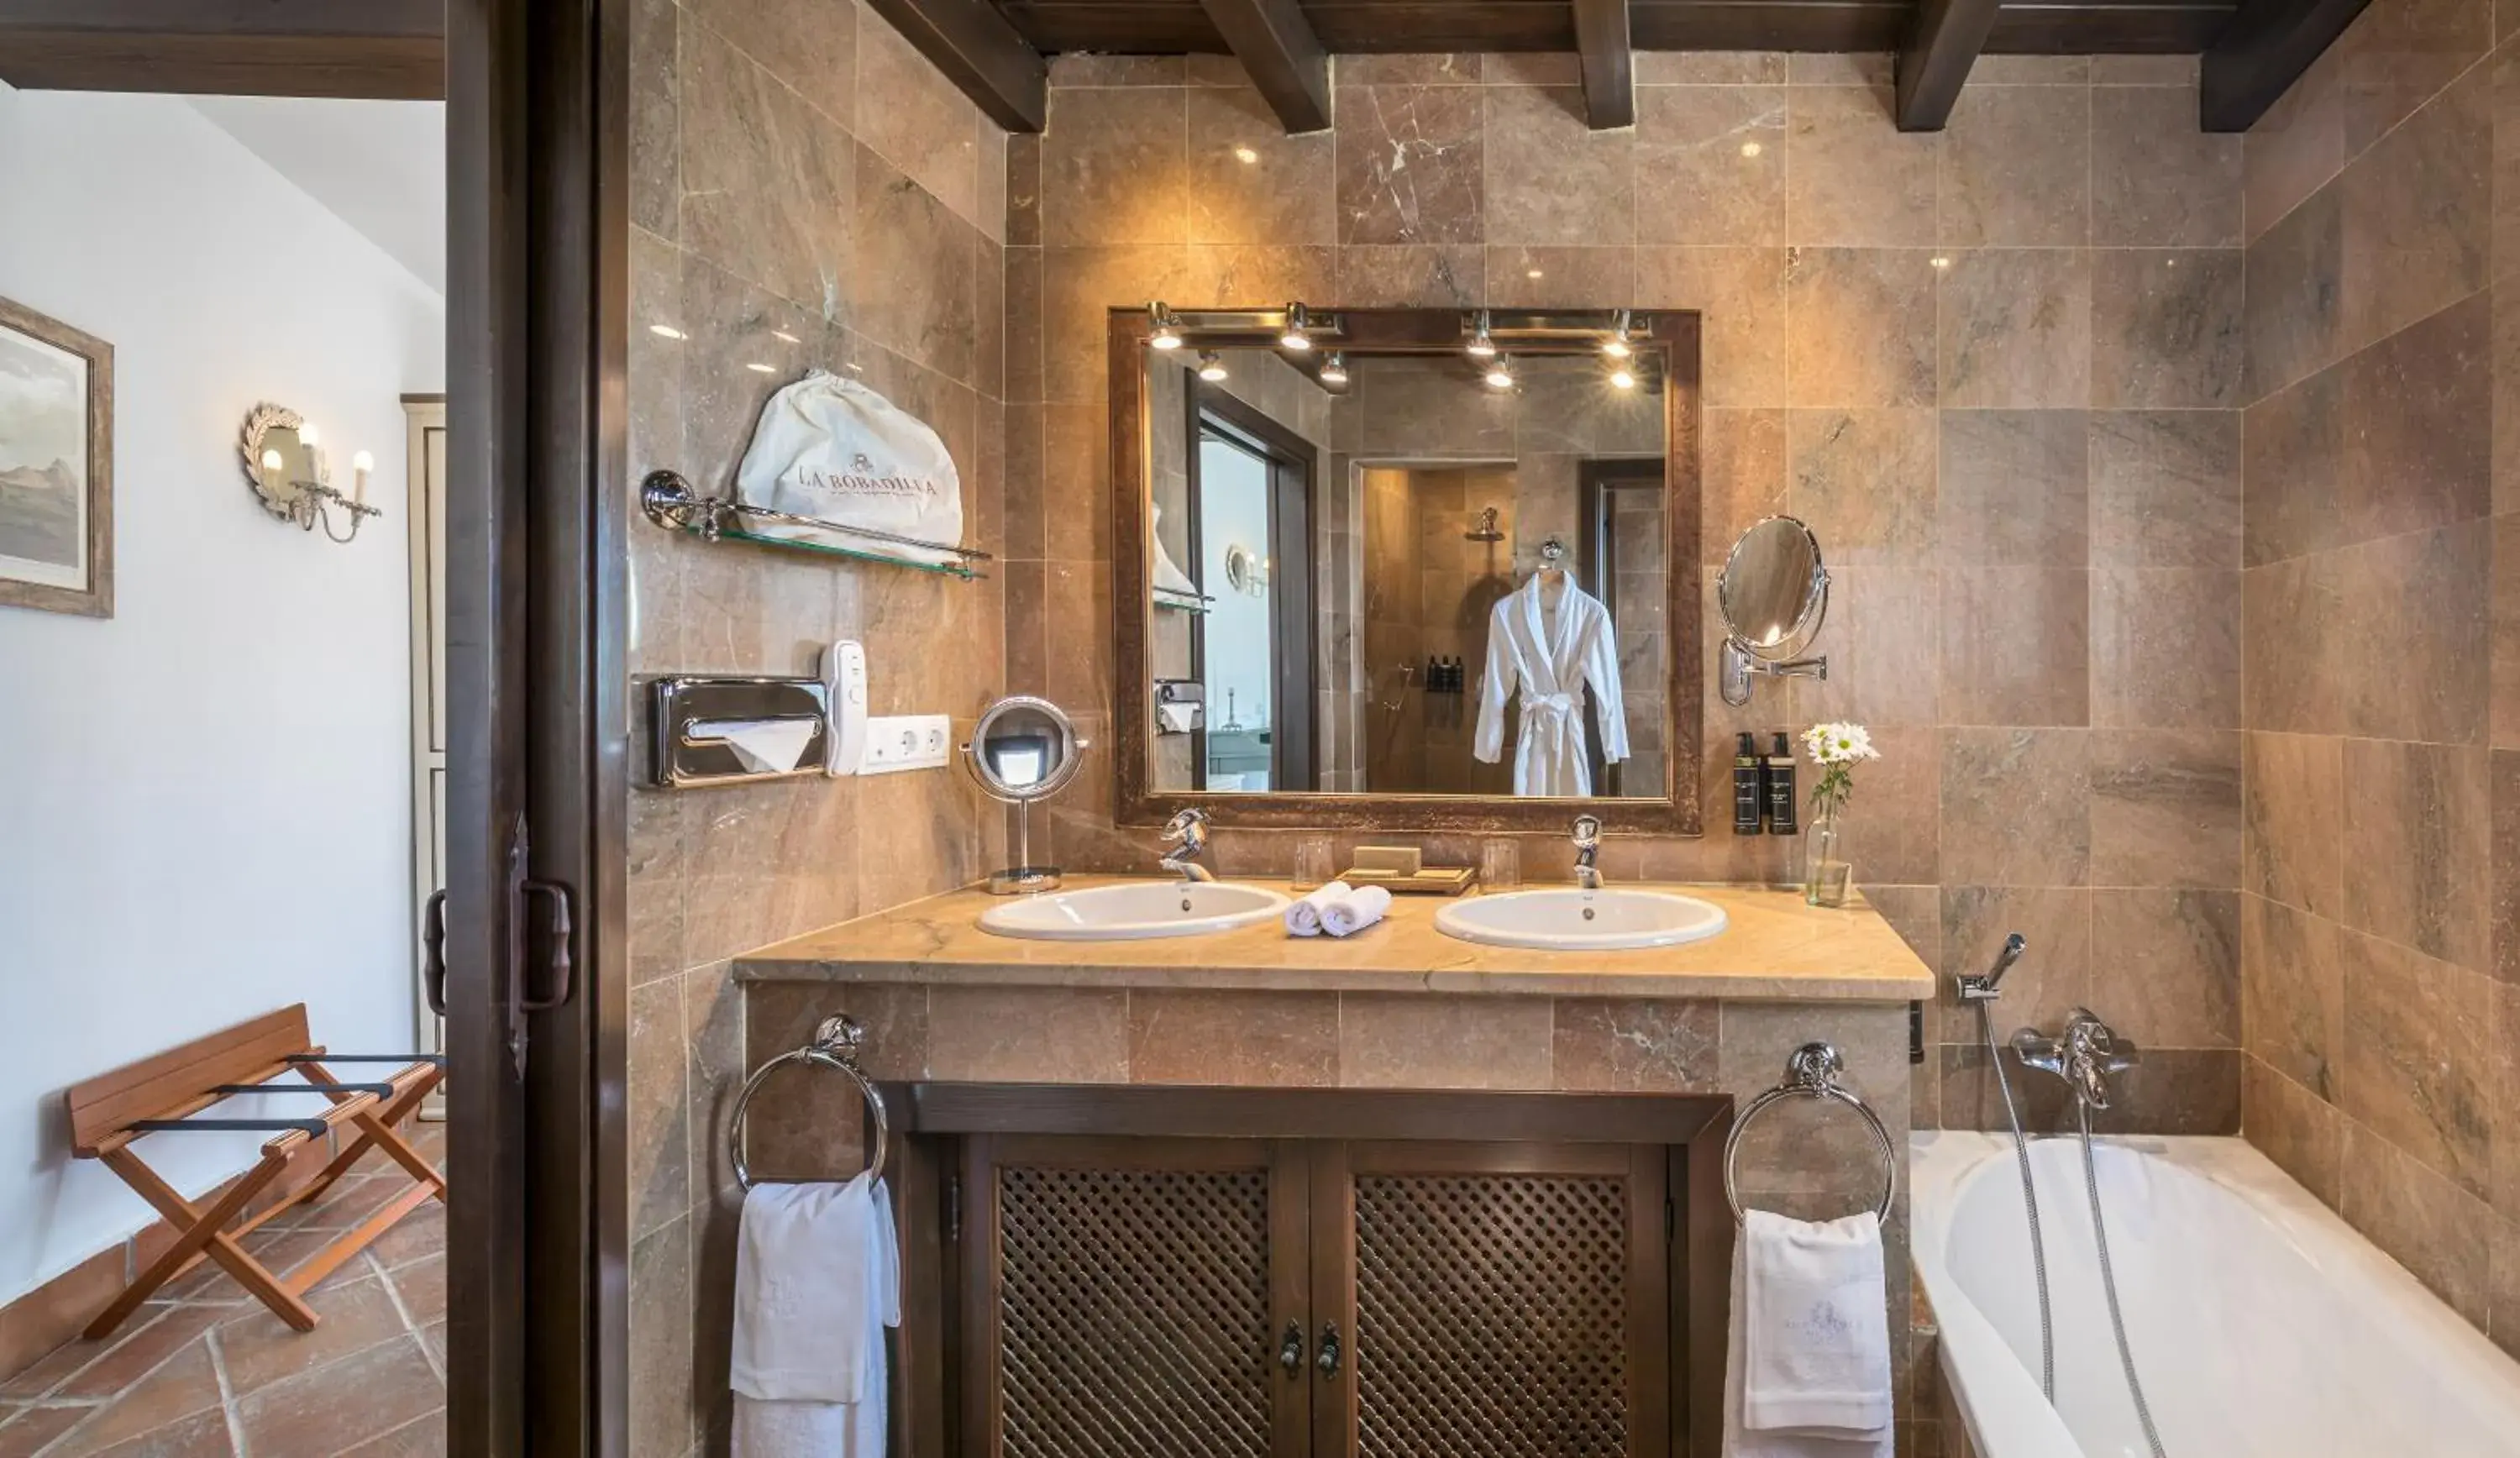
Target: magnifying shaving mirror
point(1774, 594)
point(1024, 749)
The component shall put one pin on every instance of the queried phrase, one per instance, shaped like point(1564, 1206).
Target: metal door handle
point(1328, 1360)
point(433, 937)
point(554, 895)
point(1290, 1351)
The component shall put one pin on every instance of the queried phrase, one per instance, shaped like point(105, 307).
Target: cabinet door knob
point(1328, 1360)
point(1290, 1351)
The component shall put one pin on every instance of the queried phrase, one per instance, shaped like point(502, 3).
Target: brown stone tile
point(655, 161)
point(2414, 1067)
point(2054, 975)
point(2413, 649)
point(1406, 1041)
point(2016, 329)
point(2167, 329)
point(1852, 179)
point(1286, 193)
point(1710, 163)
point(2164, 488)
point(662, 1334)
point(2417, 429)
point(1742, 459)
point(1028, 1035)
point(659, 1147)
point(928, 309)
point(2504, 634)
point(184, 1385)
point(1549, 177)
point(2292, 815)
point(1871, 69)
point(1710, 68)
point(908, 112)
point(1076, 477)
point(2157, 180)
point(1741, 294)
point(2502, 1319)
point(1023, 189)
point(1635, 1045)
point(2398, 55)
point(1543, 277)
point(2171, 976)
point(1116, 167)
point(2297, 145)
point(1255, 1038)
point(2292, 993)
point(2017, 167)
point(713, 1004)
point(1086, 68)
point(2016, 646)
point(1410, 164)
point(2171, 1092)
point(1799, 1149)
point(2293, 469)
point(2293, 289)
point(1413, 276)
point(2417, 210)
point(1883, 641)
point(759, 168)
point(2418, 839)
point(2294, 1127)
point(2293, 631)
point(1860, 326)
point(2016, 807)
point(2420, 1218)
point(2501, 1076)
point(2015, 488)
point(2165, 808)
point(1409, 68)
point(2166, 647)
point(1865, 480)
point(1893, 826)
point(1914, 912)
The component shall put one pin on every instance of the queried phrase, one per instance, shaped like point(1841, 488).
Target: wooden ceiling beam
point(979, 52)
point(1285, 59)
point(1609, 60)
point(2258, 57)
point(1936, 60)
point(385, 49)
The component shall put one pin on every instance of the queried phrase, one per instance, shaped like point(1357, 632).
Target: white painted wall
point(204, 802)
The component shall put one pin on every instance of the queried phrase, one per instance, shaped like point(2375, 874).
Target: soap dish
point(1428, 880)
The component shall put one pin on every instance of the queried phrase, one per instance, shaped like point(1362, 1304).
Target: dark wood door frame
point(1598, 481)
point(1295, 477)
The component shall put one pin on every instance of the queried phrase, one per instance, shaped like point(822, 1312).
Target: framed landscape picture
point(56, 465)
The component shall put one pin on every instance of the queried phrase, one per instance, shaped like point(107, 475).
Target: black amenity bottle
point(1781, 788)
point(1749, 787)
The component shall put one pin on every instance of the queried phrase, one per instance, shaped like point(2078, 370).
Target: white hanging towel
point(1548, 657)
point(1809, 1371)
point(834, 449)
point(817, 1280)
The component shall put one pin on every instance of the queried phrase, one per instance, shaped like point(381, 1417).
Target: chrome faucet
point(1983, 989)
point(1187, 834)
point(2087, 1055)
point(1587, 835)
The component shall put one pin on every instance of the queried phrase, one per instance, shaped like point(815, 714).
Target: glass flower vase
point(1829, 878)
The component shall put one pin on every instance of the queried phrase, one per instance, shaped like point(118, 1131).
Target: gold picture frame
point(56, 465)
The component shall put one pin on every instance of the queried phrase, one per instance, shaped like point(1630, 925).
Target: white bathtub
point(2262, 1323)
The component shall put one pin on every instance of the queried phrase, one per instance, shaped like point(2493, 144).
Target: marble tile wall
point(1999, 368)
point(806, 192)
point(2380, 977)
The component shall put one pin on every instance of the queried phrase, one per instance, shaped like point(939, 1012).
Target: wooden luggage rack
point(166, 1093)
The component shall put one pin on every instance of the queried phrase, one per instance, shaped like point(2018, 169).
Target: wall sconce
point(1167, 333)
point(1482, 346)
point(1298, 332)
point(1334, 368)
point(285, 467)
point(1210, 368)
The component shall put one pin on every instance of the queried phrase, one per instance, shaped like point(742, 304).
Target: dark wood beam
point(978, 51)
point(389, 48)
point(1937, 58)
point(1277, 45)
point(2265, 48)
point(1610, 63)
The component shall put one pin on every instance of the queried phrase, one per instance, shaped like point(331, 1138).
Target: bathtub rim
point(2007, 1407)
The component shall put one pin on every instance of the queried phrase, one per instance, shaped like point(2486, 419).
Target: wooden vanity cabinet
point(1313, 1274)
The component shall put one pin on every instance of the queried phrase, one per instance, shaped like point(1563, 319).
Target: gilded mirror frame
point(1672, 336)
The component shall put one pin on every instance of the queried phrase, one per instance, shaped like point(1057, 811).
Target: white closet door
point(427, 437)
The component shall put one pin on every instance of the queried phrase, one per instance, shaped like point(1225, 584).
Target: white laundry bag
point(831, 447)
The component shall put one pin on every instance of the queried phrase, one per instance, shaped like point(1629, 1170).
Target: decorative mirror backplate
point(280, 464)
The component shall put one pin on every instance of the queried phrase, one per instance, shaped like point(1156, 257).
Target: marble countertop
point(1774, 949)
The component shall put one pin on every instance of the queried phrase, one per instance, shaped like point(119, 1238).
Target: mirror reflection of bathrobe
point(1548, 657)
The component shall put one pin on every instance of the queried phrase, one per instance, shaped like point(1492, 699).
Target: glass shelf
point(820, 548)
point(1175, 602)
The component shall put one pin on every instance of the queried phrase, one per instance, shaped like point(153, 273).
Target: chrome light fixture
point(1298, 332)
point(1334, 368)
point(1622, 377)
point(1616, 346)
point(1499, 376)
point(1482, 346)
point(1210, 368)
point(1167, 327)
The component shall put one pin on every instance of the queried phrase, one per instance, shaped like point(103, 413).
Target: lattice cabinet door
point(1144, 1299)
point(1493, 1301)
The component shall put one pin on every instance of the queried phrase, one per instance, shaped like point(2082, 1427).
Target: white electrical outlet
point(905, 741)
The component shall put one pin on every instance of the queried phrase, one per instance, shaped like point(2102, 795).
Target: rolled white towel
point(1304, 912)
point(1355, 912)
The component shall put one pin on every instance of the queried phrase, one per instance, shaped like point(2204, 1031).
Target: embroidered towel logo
point(1825, 1328)
point(859, 485)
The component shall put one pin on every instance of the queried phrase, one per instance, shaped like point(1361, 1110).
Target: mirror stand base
point(1024, 881)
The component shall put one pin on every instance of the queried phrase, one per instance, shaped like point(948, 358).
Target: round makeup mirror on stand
point(1024, 749)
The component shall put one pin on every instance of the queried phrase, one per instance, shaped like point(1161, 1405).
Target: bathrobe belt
point(1552, 726)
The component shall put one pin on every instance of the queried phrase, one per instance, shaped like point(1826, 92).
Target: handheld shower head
point(1985, 989)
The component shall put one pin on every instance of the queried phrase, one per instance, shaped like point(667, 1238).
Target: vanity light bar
point(1276, 326)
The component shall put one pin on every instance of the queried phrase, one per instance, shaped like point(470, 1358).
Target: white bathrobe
point(1549, 658)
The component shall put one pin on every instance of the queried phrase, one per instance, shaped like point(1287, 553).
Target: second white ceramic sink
point(1567, 919)
point(1133, 913)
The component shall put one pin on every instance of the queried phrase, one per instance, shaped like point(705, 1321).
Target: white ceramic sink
point(1567, 919)
point(1133, 913)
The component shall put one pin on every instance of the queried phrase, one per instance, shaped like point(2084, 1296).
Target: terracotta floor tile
point(325, 1412)
point(415, 1237)
point(136, 1353)
point(259, 1349)
point(423, 1287)
point(203, 1434)
point(184, 1386)
point(30, 1429)
point(425, 1438)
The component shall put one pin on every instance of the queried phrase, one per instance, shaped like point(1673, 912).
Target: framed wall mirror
point(1407, 569)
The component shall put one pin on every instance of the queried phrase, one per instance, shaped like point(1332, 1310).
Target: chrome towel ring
point(835, 1046)
point(1812, 1070)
